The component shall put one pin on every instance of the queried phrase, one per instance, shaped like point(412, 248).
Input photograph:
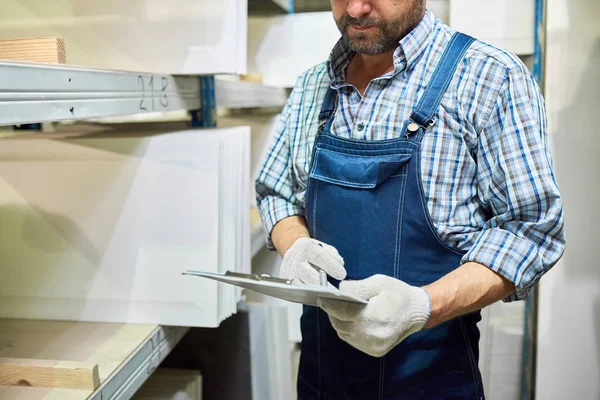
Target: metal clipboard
point(280, 288)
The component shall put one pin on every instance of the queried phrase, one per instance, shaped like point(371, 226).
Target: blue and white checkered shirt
point(486, 166)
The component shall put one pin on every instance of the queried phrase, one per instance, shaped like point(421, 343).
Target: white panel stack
point(99, 227)
point(182, 37)
point(262, 127)
point(264, 261)
point(271, 353)
point(501, 350)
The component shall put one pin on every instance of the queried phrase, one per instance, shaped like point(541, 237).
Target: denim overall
point(366, 199)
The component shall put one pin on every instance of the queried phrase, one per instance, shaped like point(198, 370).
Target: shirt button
point(360, 127)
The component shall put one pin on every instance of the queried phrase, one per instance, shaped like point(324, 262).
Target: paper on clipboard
point(280, 288)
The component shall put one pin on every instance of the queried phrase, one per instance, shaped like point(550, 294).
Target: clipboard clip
point(269, 278)
point(257, 277)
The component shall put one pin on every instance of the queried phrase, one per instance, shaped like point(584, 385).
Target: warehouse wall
point(569, 319)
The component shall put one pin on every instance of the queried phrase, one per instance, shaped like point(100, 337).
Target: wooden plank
point(35, 393)
point(48, 373)
point(107, 345)
point(43, 50)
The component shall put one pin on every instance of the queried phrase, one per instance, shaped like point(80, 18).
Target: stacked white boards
point(99, 223)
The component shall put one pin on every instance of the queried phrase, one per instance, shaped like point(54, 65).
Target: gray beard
point(391, 32)
point(379, 45)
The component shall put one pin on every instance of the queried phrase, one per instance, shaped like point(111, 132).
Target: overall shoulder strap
point(328, 109)
point(329, 104)
point(424, 114)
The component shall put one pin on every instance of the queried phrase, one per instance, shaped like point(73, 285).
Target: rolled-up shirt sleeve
point(275, 193)
point(524, 235)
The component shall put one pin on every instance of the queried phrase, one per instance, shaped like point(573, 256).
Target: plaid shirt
point(486, 166)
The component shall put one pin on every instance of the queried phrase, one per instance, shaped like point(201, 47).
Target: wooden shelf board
point(107, 345)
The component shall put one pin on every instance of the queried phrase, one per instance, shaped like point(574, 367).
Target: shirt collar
point(409, 51)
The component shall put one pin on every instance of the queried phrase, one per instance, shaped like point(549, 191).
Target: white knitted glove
point(395, 311)
point(306, 251)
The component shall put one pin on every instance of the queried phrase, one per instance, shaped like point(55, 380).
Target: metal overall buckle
point(413, 127)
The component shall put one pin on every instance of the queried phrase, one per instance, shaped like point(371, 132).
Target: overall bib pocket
point(357, 192)
point(360, 171)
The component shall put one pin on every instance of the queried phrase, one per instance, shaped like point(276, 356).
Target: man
point(414, 167)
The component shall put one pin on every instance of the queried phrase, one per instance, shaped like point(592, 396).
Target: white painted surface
point(504, 23)
point(568, 364)
point(183, 36)
point(440, 8)
point(570, 313)
point(99, 228)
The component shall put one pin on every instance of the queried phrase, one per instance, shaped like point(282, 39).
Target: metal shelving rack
point(134, 371)
point(35, 93)
point(124, 354)
point(529, 358)
point(236, 95)
point(32, 93)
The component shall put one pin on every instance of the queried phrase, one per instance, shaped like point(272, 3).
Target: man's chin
point(362, 39)
point(362, 45)
point(355, 34)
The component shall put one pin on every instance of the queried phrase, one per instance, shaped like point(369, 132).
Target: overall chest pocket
point(359, 171)
point(355, 203)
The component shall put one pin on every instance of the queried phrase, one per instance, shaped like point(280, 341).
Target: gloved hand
point(305, 250)
point(395, 311)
